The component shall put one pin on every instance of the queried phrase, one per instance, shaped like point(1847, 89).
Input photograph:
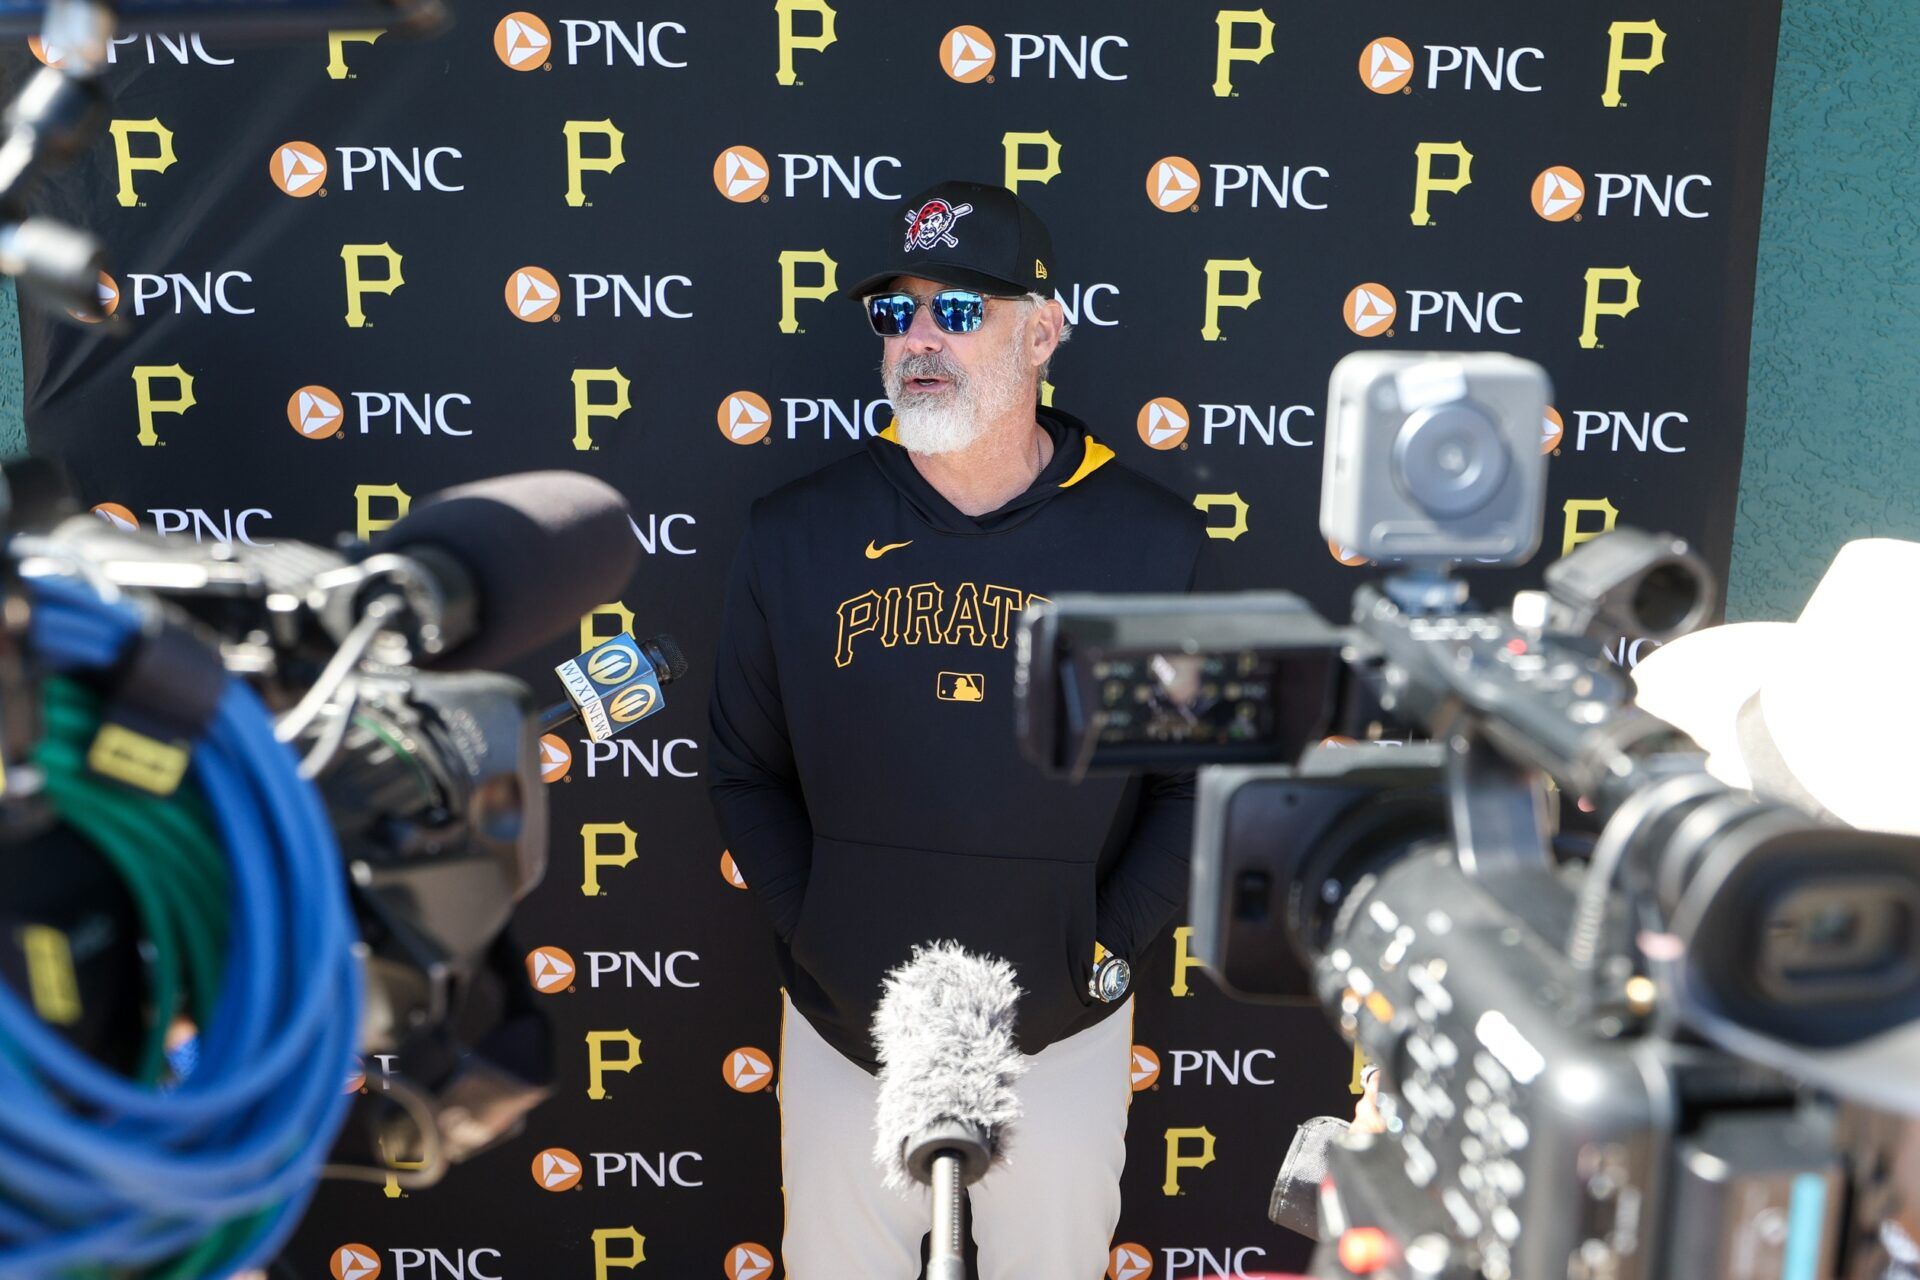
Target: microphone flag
point(612, 686)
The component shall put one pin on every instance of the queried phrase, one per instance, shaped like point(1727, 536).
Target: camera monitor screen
point(1152, 682)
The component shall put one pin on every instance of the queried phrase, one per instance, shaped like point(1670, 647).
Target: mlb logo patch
point(961, 686)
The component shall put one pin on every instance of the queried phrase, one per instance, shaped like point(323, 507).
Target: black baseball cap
point(965, 234)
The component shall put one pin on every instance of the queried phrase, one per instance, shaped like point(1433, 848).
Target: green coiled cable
point(168, 852)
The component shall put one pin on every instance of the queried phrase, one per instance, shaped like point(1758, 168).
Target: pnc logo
point(556, 758)
point(557, 1169)
point(1346, 555)
point(522, 41)
point(1163, 423)
point(1173, 184)
point(745, 417)
point(117, 516)
point(749, 1262)
point(1552, 428)
point(316, 413)
point(184, 49)
point(741, 174)
point(108, 291)
point(967, 54)
point(354, 1262)
point(533, 294)
point(747, 1070)
point(1145, 1068)
point(1558, 193)
point(298, 168)
point(1129, 1262)
point(1370, 310)
point(1386, 65)
point(356, 1075)
point(550, 970)
point(730, 870)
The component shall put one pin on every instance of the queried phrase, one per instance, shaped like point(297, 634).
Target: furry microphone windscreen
point(944, 1033)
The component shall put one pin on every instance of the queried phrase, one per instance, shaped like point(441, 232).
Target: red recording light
point(1365, 1250)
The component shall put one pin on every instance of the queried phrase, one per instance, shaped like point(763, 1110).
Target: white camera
point(1435, 456)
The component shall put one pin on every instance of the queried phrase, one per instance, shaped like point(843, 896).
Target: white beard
point(949, 421)
point(939, 427)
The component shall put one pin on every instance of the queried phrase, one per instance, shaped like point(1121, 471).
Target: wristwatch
point(1111, 979)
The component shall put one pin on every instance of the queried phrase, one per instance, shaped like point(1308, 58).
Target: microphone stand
point(944, 1260)
point(947, 1156)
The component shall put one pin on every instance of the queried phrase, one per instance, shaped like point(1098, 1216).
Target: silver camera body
point(1434, 457)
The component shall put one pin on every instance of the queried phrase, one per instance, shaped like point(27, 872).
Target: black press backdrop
point(599, 236)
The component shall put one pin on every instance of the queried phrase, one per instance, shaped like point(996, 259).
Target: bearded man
point(864, 767)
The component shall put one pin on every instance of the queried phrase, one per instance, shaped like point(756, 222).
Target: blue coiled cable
point(98, 1170)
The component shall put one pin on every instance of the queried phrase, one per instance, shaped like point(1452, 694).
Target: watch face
point(1112, 979)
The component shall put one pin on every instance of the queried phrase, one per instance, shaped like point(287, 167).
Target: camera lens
point(1450, 459)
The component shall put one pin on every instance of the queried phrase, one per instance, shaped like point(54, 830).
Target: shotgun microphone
point(948, 1065)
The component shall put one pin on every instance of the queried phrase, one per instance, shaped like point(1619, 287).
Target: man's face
point(947, 388)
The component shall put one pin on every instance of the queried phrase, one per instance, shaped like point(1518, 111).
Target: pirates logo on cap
point(931, 225)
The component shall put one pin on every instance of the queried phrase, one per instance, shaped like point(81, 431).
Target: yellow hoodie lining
point(1096, 456)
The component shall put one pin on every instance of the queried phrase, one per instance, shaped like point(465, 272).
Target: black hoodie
point(864, 767)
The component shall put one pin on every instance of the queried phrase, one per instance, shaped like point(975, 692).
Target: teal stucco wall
point(1833, 417)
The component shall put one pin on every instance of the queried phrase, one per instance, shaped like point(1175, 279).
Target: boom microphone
point(515, 560)
point(948, 1064)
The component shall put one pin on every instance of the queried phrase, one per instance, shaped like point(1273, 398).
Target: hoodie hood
point(1076, 455)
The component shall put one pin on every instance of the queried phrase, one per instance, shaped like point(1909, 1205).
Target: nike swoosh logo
point(874, 553)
